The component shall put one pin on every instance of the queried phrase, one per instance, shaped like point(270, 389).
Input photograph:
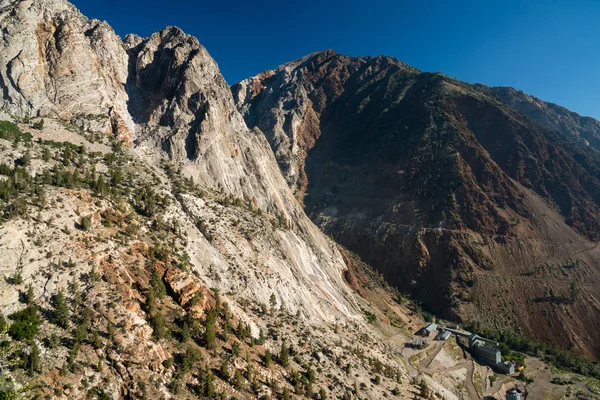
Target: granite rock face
point(55, 62)
point(165, 96)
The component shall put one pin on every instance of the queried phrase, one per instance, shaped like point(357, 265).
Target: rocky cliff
point(140, 213)
point(446, 188)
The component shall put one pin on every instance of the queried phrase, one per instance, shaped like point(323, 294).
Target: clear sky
point(548, 48)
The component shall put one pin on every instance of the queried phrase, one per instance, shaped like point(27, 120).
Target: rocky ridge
point(445, 187)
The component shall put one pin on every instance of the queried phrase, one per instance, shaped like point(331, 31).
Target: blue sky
point(550, 48)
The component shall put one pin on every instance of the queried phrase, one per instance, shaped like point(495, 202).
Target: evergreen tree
point(46, 154)
point(210, 382)
point(73, 357)
point(284, 355)
point(210, 334)
point(425, 392)
point(310, 375)
point(26, 160)
point(217, 301)
point(3, 323)
point(151, 308)
point(110, 330)
point(308, 390)
point(249, 372)
point(34, 359)
point(158, 285)
point(273, 302)
point(285, 395)
point(53, 341)
point(267, 358)
point(30, 296)
point(235, 349)
point(159, 324)
point(225, 370)
point(61, 310)
point(186, 333)
point(322, 394)
point(238, 380)
point(96, 342)
point(94, 276)
point(574, 292)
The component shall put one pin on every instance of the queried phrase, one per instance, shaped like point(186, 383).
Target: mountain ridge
point(375, 149)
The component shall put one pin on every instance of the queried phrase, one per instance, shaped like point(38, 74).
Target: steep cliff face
point(437, 183)
point(165, 95)
point(57, 63)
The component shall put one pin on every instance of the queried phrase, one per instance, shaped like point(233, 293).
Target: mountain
point(150, 246)
point(483, 203)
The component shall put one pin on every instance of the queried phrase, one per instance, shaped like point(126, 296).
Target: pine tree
point(309, 390)
point(574, 292)
point(73, 357)
point(151, 301)
point(425, 392)
point(322, 394)
point(249, 372)
point(267, 358)
point(284, 355)
point(217, 301)
point(238, 379)
point(235, 349)
point(94, 276)
point(53, 341)
point(210, 334)
point(157, 283)
point(186, 333)
point(239, 331)
point(61, 310)
point(210, 382)
point(159, 324)
point(26, 158)
point(310, 375)
point(273, 302)
point(30, 297)
point(34, 359)
point(225, 370)
point(96, 342)
point(285, 395)
point(110, 330)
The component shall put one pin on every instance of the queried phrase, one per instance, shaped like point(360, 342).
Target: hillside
point(150, 247)
point(459, 199)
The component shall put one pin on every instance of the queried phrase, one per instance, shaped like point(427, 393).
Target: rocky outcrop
point(55, 62)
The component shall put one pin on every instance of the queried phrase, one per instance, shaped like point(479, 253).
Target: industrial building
point(429, 329)
point(513, 394)
point(516, 393)
point(416, 344)
point(443, 335)
point(485, 350)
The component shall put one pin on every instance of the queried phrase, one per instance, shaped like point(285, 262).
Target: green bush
point(86, 223)
point(26, 324)
point(10, 131)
